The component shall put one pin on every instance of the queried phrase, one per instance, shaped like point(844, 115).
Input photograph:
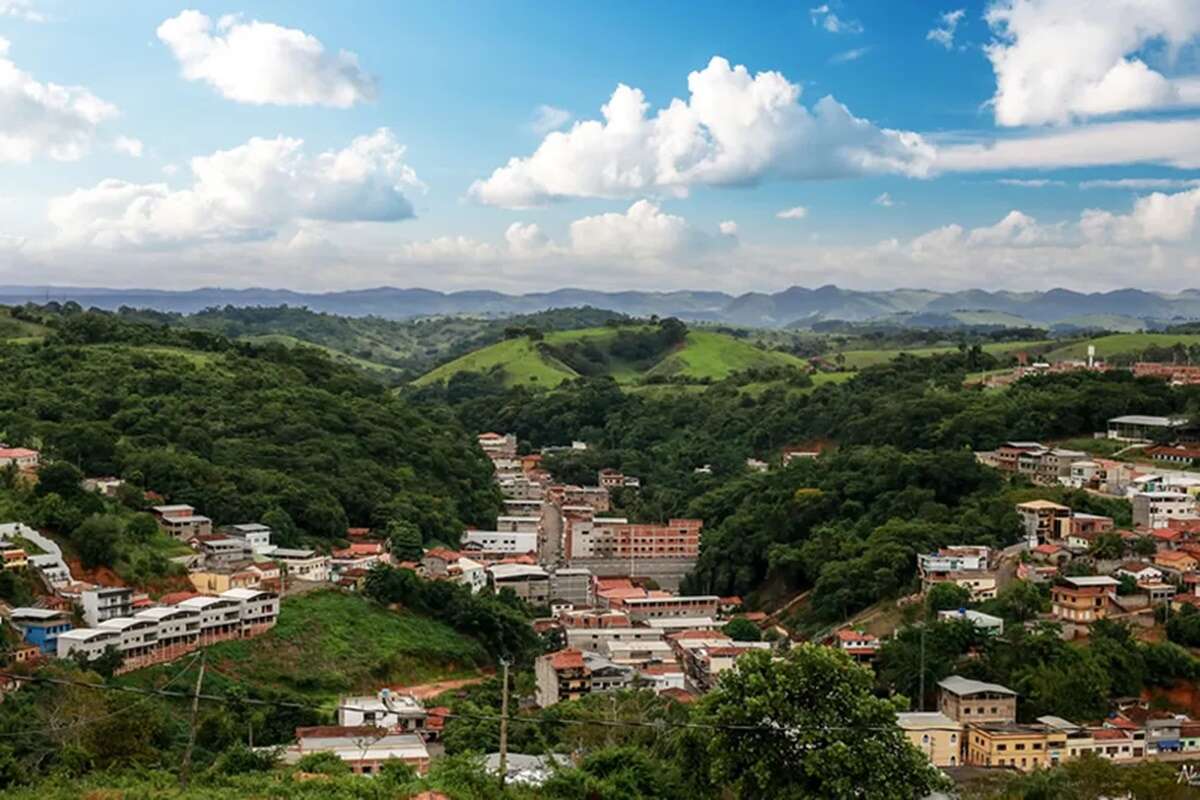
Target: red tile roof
point(1108, 734)
point(174, 598)
point(679, 695)
point(1047, 549)
point(335, 731)
point(567, 659)
point(847, 635)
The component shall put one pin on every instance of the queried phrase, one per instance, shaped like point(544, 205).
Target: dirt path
point(424, 691)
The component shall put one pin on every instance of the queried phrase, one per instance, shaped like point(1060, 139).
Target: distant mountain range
point(797, 306)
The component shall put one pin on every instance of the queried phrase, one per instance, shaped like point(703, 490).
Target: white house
point(500, 542)
point(105, 603)
point(91, 642)
point(305, 565)
point(396, 712)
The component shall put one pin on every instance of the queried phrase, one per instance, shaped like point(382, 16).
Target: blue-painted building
point(41, 627)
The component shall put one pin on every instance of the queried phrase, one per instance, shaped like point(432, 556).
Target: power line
point(656, 725)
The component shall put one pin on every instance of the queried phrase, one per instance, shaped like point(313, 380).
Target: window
point(925, 739)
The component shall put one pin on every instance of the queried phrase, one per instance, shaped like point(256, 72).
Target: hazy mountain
point(796, 306)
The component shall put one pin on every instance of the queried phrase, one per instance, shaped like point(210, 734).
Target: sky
point(526, 146)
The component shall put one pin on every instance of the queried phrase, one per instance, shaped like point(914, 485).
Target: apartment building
point(1008, 744)
point(305, 565)
point(570, 674)
point(105, 603)
point(1043, 520)
point(1083, 600)
point(661, 604)
point(969, 701)
point(1157, 509)
point(498, 446)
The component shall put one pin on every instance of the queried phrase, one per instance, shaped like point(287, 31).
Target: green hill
point(565, 355)
point(1125, 344)
point(869, 358)
point(327, 643)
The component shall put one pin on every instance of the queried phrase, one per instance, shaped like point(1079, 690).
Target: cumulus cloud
point(264, 64)
point(245, 193)
point(643, 232)
point(129, 146)
point(728, 228)
point(943, 32)
point(735, 129)
point(885, 200)
point(795, 212)
point(1157, 217)
point(825, 17)
point(1060, 60)
point(45, 119)
point(21, 9)
point(549, 118)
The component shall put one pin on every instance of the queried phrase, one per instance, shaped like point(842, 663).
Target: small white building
point(305, 565)
point(398, 713)
point(985, 622)
point(256, 536)
point(500, 542)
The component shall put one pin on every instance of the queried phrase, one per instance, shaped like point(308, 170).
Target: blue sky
point(321, 147)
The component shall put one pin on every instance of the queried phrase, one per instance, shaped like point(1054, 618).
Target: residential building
point(1022, 747)
point(585, 536)
point(1177, 561)
point(41, 627)
point(516, 524)
point(220, 551)
point(1007, 455)
point(1086, 525)
point(968, 566)
point(572, 585)
point(861, 647)
point(570, 674)
point(14, 558)
point(969, 701)
point(611, 479)
point(398, 713)
point(597, 639)
point(255, 536)
point(1140, 427)
point(1177, 454)
point(661, 604)
point(704, 665)
point(639, 654)
point(1157, 509)
point(22, 458)
point(181, 521)
point(105, 603)
point(1041, 520)
point(365, 749)
point(531, 583)
point(1054, 467)
point(984, 622)
point(935, 735)
point(216, 580)
point(499, 543)
point(305, 565)
point(91, 643)
point(1139, 571)
point(1083, 600)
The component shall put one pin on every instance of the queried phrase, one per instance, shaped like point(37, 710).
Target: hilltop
point(628, 354)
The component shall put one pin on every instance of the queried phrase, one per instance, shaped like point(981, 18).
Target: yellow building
point(934, 734)
point(218, 581)
point(1008, 744)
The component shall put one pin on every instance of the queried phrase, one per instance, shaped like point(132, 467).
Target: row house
point(181, 521)
point(164, 633)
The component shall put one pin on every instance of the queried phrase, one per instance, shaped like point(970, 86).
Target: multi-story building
point(661, 604)
point(255, 536)
point(1007, 744)
point(181, 521)
point(969, 701)
point(495, 445)
point(570, 674)
point(968, 566)
point(305, 565)
point(1083, 600)
point(935, 735)
point(499, 543)
point(597, 639)
point(1140, 427)
point(516, 524)
point(91, 643)
point(572, 585)
point(105, 603)
point(398, 713)
point(1157, 509)
point(618, 539)
point(1042, 520)
point(41, 627)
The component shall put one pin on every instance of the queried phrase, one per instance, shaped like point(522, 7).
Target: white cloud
point(643, 232)
point(1140, 183)
point(847, 56)
point(943, 32)
point(796, 212)
point(170, 169)
point(885, 200)
point(246, 193)
point(129, 146)
point(1059, 60)
point(21, 9)
point(824, 16)
point(1169, 142)
point(1029, 183)
point(262, 63)
point(549, 118)
point(1157, 217)
point(735, 129)
point(728, 228)
point(45, 119)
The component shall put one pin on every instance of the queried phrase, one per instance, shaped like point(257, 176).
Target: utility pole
point(504, 723)
point(186, 766)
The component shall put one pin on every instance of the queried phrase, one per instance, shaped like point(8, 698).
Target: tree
point(1143, 547)
point(1108, 546)
point(405, 540)
point(741, 629)
point(323, 763)
point(946, 595)
point(1020, 601)
point(808, 726)
point(59, 478)
point(96, 540)
point(141, 527)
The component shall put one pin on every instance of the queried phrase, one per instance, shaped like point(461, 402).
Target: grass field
point(704, 355)
point(1123, 344)
point(869, 358)
point(337, 355)
point(18, 331)
point(327, 643)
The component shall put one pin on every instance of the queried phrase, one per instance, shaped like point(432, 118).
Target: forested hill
point(240, 431)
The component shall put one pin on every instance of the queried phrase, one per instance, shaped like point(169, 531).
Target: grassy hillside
point(17, 331)
point(869, 358)
point(703, 355)
point(1125, 344)
point(327, 643)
